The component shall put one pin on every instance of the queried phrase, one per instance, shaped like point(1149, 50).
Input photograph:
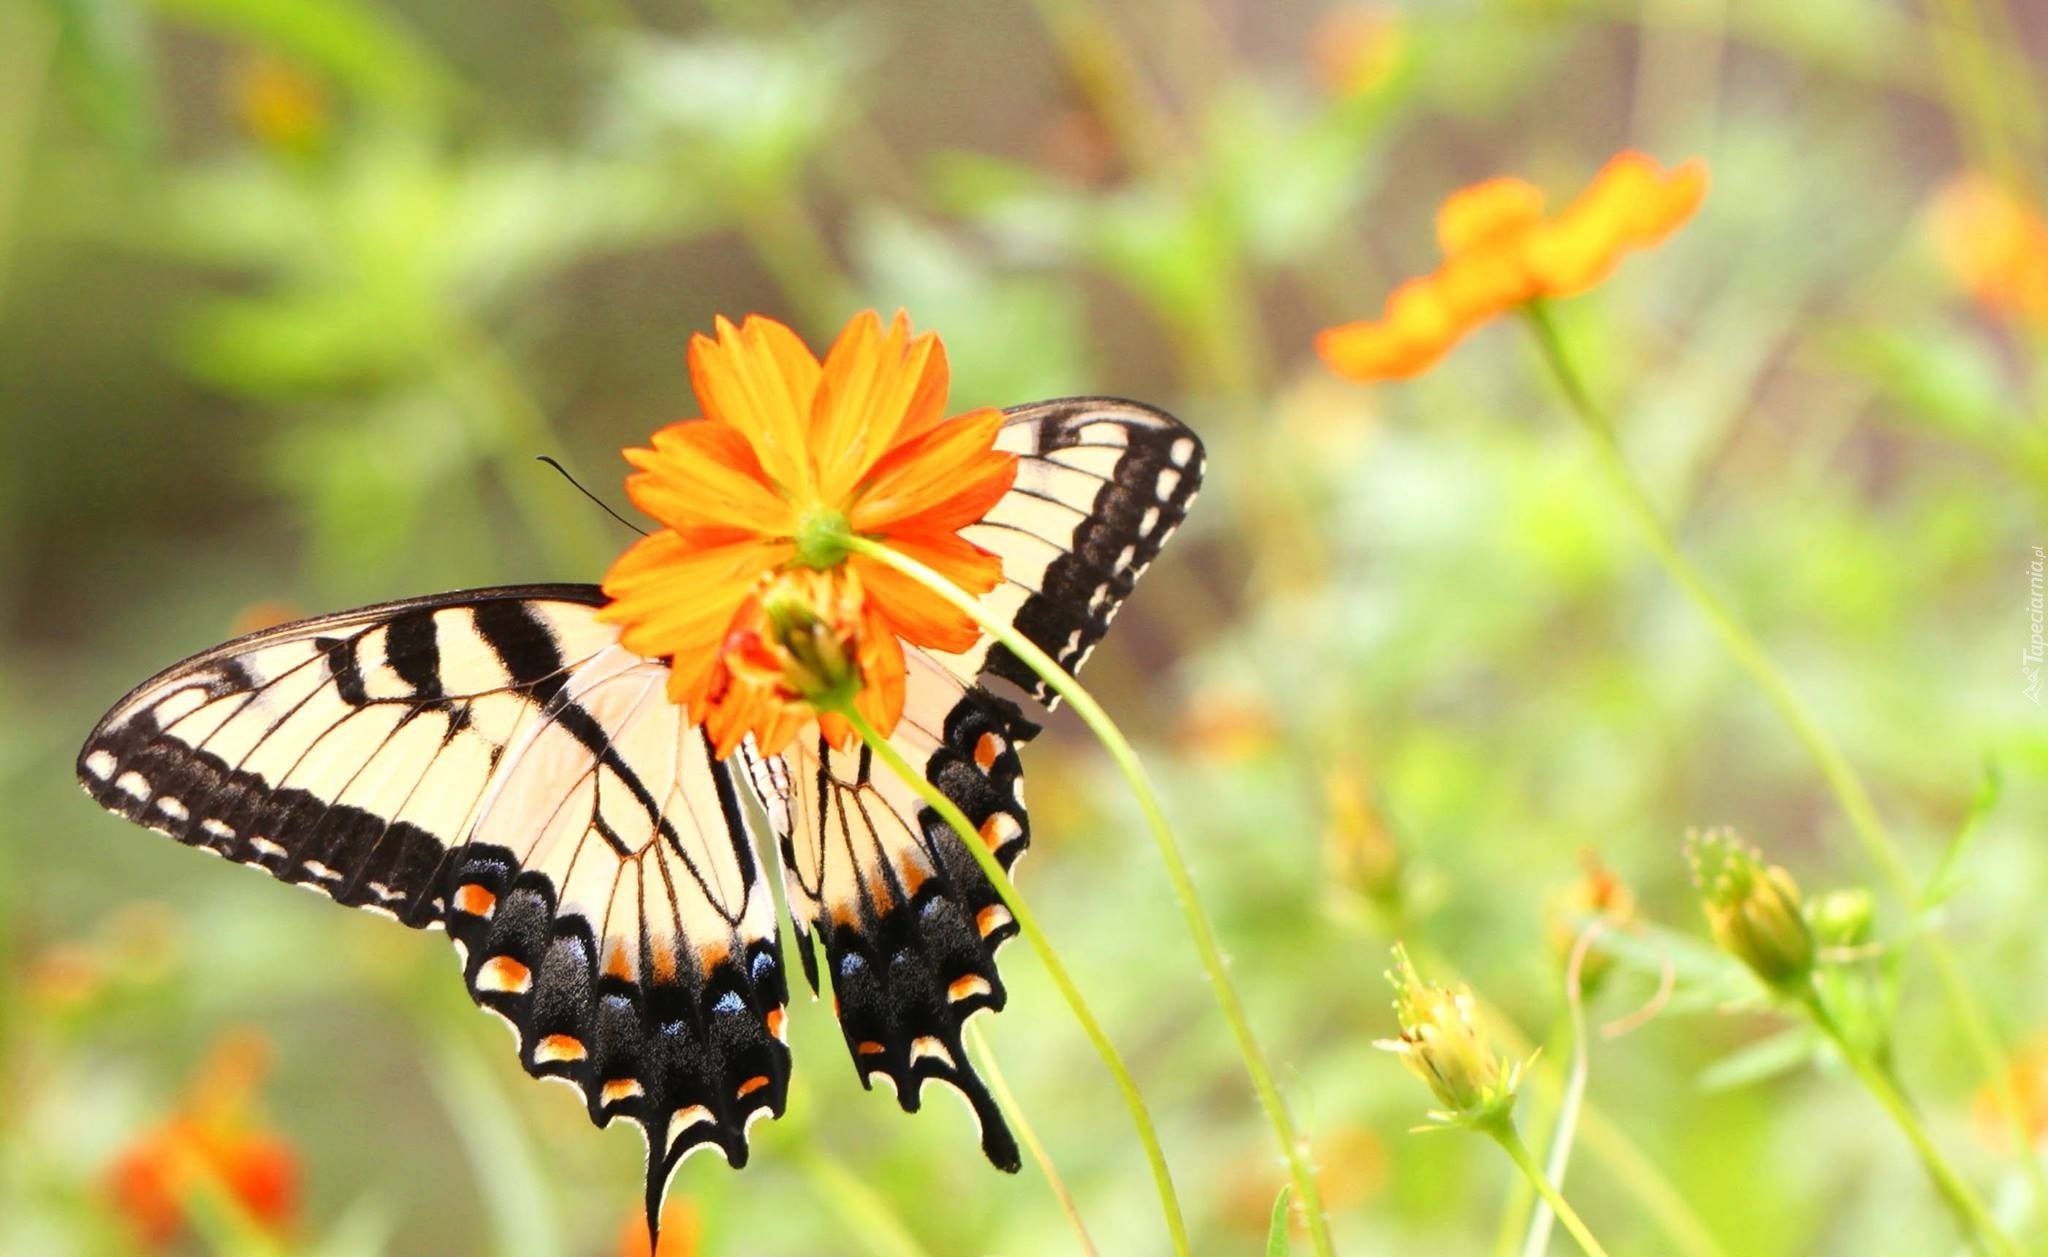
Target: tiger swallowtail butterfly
point(494, 763)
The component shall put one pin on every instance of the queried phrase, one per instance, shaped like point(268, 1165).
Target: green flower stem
point(1503, 1133)
point(1972, 1217)
point(1604, 1137)
point(1012, 1110)
point(1027, 925)
point(1292, 1146)
point(1842, 779)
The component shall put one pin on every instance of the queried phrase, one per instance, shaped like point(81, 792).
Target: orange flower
point(213, 1144)
point(1500, 251)
point(1994, 244)
point(790, 456)
point(806, 639)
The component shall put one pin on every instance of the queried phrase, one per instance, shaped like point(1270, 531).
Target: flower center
point(821, 538)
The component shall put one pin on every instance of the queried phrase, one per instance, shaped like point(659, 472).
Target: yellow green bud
point(1753, 909)
point(1443, 1042)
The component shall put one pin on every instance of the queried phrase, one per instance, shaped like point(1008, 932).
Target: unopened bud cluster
point(1444, 1042)
point(1753, 909)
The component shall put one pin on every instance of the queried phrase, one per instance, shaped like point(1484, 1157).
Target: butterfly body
point(495, 764)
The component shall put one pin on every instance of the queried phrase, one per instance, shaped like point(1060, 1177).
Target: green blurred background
point(293, 291)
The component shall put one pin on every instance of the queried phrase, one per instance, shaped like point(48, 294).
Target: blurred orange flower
point(1501, 251)
point(277, 103)
point(2028, 1078)
point(680, 1229)
point(1995, 245)
point(1355, 49)
point(213, 1143)
point(1596, 895)
point(790, 456)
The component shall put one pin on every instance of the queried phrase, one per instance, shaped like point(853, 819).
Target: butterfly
point(495, 764)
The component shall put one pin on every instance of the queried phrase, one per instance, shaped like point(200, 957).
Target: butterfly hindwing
point(880, 883)
point(495, 763)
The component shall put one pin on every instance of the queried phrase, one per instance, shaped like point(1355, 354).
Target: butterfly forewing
point(1101, 485)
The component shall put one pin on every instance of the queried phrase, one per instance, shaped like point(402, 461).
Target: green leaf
point(103, 54)
point(1946, 879)
point(1276, 1231)
point(1757, 1062)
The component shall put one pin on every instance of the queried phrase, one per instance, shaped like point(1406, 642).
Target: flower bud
point(1444, 1043)
point(1843, 918)
point(1361, 852)
point(817, 659)
point(1753, 909)
point(1597, 895)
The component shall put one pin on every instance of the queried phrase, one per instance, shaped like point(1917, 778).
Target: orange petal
point(951, 475)
point(703, 476)
point(1481, 283)
point(917, 614)
point(1420, 326)
point(877, 390)
point(1486, 213)
point(760, 379)
point(672, 600)
point(1677, 199)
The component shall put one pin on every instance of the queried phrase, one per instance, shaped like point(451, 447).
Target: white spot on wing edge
point(173, 808)
point(1169, 481)
point(133, 784)
point(101, 764)
point(1181, 451)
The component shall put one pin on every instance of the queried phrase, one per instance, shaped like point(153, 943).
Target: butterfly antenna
point(578, 486)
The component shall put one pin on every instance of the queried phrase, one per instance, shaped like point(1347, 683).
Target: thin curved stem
point(1015, 1112)
point(1055, 968)
point(1503, 1133)
point(1292, 1146)
point(1842, 778)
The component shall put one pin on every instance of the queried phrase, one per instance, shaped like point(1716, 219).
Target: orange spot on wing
point(986, 748)
point(559, 1047)
point(475, 900)
point(966, 987)
point(775, 1021)
point(504, 975)
point(615, 963)
point(991, 919)
point(619, 1089)
point(868, 1047)
point(911, 875)
point(751, 1085)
